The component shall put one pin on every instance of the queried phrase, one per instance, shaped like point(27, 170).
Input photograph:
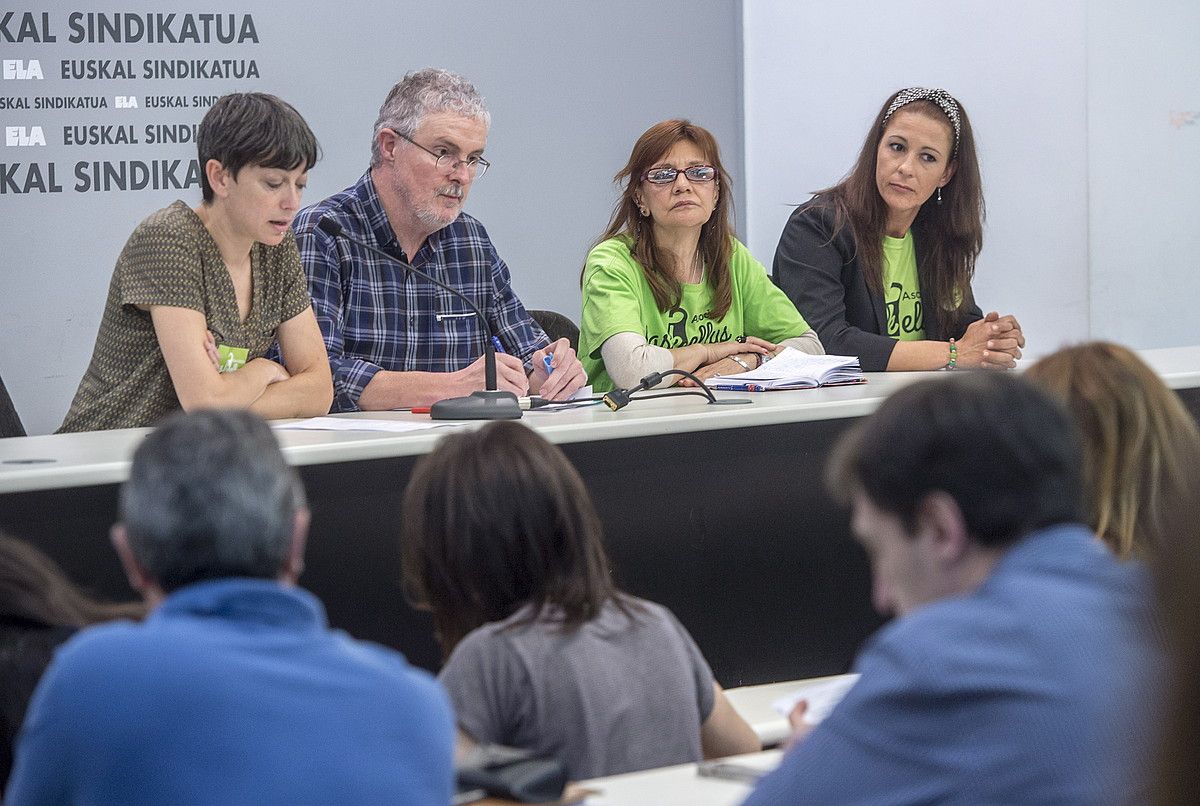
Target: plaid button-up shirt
point(375, 315)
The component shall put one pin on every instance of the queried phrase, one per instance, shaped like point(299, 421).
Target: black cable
point(536, 403)
point(707, 392)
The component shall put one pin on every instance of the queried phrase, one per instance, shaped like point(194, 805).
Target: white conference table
point(683, 784)
point(102, 457)
point(755, 704)
point(680, 784)
point(718, 512)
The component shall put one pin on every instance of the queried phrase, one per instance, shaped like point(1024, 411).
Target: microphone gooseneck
point(489, 404)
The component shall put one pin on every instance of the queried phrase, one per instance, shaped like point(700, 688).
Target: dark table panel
point(730, 529)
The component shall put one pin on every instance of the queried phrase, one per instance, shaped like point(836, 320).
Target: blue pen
point(496, 343)
point(548, 361)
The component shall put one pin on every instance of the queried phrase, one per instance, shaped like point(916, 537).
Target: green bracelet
point(953, 362)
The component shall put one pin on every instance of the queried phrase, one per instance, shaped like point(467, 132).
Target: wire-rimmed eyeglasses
point(448, 162)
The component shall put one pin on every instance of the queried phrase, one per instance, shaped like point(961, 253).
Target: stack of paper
point(792, 369)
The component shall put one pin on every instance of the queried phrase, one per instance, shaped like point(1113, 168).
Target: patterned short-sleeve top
point(171, 259)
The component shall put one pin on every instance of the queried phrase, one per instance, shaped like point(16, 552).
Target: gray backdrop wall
point(570, 86)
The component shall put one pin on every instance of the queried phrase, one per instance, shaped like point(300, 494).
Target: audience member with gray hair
point(208, 499)
point(234, 689)
point(394, 339)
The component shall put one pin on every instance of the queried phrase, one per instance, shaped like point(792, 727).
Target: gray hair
point(210, 496)
point(426, 92)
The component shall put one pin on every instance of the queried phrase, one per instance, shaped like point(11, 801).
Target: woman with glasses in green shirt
point(669, 286)
point(881, 263)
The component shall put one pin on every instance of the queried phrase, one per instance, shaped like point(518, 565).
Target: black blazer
point(819, 272)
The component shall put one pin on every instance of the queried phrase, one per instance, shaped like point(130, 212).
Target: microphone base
point(478, 406)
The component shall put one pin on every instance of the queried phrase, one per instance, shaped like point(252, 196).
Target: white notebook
point(792, 369)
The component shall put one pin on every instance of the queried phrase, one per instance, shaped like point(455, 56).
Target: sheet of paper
point(821, 698)
point(360, 424)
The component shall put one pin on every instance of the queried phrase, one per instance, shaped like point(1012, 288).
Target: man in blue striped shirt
point(395, 340)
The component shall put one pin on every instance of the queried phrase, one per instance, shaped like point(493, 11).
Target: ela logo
point(18, 70)
point(125, 102)
point(20, 136)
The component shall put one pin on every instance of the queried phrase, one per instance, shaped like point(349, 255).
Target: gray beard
point(429, 218)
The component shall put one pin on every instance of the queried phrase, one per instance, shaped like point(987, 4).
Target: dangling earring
point(939, 195)
point(645, 213)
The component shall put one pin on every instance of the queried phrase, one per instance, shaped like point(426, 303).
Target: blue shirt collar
point(1049, 543)
point(372, 207)
point(243, 599)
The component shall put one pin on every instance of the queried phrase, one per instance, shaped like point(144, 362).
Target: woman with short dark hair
point(199, 295)
point(501, 543)
point(881, 263)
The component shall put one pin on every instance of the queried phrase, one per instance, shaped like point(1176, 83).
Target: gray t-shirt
point(614, 696)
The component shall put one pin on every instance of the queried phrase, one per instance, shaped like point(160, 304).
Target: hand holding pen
point(557, 373)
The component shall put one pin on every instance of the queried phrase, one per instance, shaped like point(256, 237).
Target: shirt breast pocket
point(453, 315)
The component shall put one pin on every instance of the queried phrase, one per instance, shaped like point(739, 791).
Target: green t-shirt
point(902, 289)
point(617, 299)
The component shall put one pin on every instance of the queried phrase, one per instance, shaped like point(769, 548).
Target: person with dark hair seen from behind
point(39, 609)
point(234, 689)
point(501, 543)
point(199, 295)
point(1021, 666)
point(881, 263)
point(1139, 442)
point(669, 286)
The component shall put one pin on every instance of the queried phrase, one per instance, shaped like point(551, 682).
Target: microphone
point(488, 404)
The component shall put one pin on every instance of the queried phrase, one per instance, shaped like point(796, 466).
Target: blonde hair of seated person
point(1139, 441)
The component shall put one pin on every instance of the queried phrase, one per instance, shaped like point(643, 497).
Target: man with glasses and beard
point(394, 339)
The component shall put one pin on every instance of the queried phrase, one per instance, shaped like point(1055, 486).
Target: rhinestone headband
point(944, 100)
